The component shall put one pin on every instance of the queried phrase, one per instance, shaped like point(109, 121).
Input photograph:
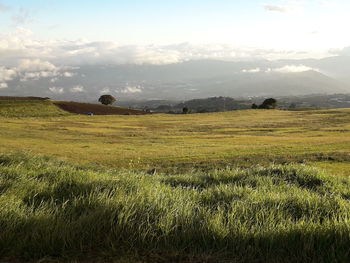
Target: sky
point(295, 24)
point(49, 38)
point(162, 31)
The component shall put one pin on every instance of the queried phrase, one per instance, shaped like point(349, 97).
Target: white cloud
point(292, 69)
point(36, 65)
point(105, 90)
point(77, 89)
point(278, 8)
point(34, 69)
point(284, 69)
point(69, 74)
point(254, 70)
point(56, 90)
point(28, 59)
point(3, 85)
point(7, 74)
point(20, 47)
point(37, 75)
point(131, 90)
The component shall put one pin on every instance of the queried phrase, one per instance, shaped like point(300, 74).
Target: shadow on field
point(279, 213)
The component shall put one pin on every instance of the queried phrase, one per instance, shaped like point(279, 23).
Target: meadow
point(182, 142)
point(241, 186)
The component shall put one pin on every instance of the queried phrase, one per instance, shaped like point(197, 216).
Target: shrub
point(254, 106)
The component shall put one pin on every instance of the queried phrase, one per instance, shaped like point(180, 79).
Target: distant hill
point(217, 104)
point(214, 104)
point(192, 79)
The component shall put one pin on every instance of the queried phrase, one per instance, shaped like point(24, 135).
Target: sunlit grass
point(182, 140)
point(237, 186)
point(279, 213)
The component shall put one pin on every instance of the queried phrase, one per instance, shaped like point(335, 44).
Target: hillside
point(29, 108)
point(43, 107)
point(9, 98)
point(96, 109)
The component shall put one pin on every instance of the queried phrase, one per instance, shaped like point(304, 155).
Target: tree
point(107, 99)
point(270, 103)
point(254, 106)
point(185, 110)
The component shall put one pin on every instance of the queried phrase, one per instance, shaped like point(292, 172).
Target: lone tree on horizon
point(185, 110)
point(270, 103)
point(107, 99)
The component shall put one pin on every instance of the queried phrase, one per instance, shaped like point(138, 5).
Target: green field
point(241, 186)
point(185, 141)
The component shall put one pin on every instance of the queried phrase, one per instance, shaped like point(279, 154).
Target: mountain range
point(191, 79)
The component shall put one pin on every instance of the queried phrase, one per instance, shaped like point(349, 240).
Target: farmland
point(241, 186)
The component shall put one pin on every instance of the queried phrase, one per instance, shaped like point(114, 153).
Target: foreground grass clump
point(275, 214)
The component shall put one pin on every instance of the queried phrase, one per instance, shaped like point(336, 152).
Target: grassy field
point(186, 141)
point(242, 186)
point(290, 213)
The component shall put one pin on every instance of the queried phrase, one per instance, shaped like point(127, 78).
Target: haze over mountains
point(173, 50)
point(183, 80)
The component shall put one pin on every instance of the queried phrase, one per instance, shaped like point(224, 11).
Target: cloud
point(36, 65)
point(341, 52)
point(29, 59)
point(56, 90)
point(254, 70)
point(3, 85)
point(291, 69)
point(35, 69)
point(77, 89)
point(69, 74)
point(37, 75)
point(7, 74)
point(105, 90)
point(131, 90)
point(284, 69)
point(278, 8)
point(21, 45)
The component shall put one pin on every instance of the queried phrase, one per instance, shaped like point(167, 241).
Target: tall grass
point(50, 209)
